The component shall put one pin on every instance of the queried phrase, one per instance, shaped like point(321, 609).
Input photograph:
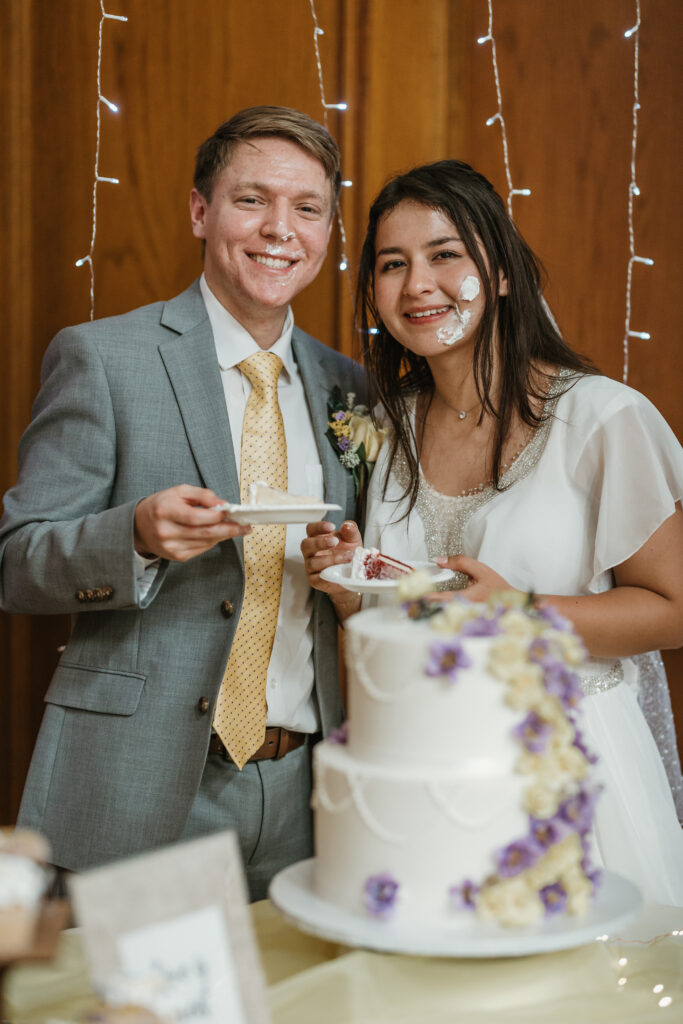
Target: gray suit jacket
point(128, 406)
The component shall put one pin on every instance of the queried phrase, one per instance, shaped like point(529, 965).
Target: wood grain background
point(418, 88)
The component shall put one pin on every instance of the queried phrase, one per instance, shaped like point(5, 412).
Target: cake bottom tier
point(426, 829)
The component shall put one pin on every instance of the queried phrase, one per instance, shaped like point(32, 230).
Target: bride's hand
point(325, 546)
point(483, 581)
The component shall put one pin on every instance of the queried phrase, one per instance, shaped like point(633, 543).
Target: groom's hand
point(182, 522)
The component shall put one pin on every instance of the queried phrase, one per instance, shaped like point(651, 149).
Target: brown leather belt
point(278, 742)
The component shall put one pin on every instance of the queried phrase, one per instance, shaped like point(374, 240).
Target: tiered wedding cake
point(460, 783)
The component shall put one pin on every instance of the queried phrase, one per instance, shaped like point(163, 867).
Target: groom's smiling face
point(265, 228)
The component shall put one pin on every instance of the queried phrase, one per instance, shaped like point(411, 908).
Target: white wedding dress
point(597, 479)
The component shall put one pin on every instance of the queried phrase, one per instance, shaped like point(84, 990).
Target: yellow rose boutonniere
point(354, 437)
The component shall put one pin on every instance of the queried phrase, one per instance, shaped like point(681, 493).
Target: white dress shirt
point(289, 686)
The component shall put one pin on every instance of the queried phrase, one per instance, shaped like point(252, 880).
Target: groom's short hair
point(215, 153)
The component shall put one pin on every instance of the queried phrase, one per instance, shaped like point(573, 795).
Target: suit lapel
point(318, 384)
point(189, 356)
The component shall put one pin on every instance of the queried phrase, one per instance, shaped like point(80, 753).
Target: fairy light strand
point(633, 190)
point(498, 116)
point(317, 32)
point(620, 965)
point(101, 100)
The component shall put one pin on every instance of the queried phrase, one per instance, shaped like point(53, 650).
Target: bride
point(512, 462)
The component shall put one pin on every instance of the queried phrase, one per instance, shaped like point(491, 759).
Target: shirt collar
point(234, 342)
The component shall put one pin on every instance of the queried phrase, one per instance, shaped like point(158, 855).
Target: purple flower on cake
point(554, 898)
point(534, 733)
point(545, 832)
point(481, 626)
point(579, 743)
point(446, 658)
point(562, 683)
point(554, 619)
point(539, 649)
point(578, 810)
point(594, 876)
point(340, 735)
point(463, 896)
point(381, 893)
point(517, 857)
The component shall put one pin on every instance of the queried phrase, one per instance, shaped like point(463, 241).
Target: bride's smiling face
point(428, 290)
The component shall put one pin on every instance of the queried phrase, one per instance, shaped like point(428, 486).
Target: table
point(311, 981)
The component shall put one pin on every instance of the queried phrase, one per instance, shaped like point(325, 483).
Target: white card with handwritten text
point(176, 920)
point(192, 956)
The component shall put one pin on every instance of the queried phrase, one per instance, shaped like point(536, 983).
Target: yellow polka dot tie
point(240, 716)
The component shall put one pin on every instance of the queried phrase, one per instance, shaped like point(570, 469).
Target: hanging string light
point(633, 190)
point(101, 101)
point(498, 116)
point(621, 963)
point(318, 31)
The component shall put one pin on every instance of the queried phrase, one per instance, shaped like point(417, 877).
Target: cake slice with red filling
point(371, 564)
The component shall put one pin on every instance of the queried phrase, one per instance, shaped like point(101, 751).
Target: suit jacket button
point(99, 594)
point(89, 595)
point(80, 596)
point(108, 592)
point(226, 608)
point(203, 705)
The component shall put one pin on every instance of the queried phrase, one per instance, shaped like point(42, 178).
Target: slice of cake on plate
point(371, 564)
point(261, 493)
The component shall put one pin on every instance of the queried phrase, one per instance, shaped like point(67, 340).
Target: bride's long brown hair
point(527, 335)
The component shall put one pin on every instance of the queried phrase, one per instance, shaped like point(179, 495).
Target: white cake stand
point(292, 893)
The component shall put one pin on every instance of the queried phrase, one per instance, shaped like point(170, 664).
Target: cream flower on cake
point(541, 800)
point(516, 623)
point(453, 616)
point(570, 761)
point(525, 691)
point(553, 769)
point(569, 645)
point(508, 658)
point(563, 732)
point(414, 586)
point(560, 860)
point(579, 890)
point(513, 902)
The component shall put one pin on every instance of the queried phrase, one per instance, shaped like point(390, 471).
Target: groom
point(201, 666)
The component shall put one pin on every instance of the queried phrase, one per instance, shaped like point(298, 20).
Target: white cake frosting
point(261, 493)
point(450, 790)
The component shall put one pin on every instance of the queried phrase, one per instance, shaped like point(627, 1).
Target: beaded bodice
point(445, 516)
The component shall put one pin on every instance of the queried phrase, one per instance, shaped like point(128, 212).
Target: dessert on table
point(460, 785)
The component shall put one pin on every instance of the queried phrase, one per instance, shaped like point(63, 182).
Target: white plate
point(292, 893)
point(341, 574)
point(256, 515)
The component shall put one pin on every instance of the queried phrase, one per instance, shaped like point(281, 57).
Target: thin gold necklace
point(461, 413)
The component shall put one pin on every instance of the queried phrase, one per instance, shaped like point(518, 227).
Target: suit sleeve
point(63, 549)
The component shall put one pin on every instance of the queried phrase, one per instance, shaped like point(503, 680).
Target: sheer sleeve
point(631, 468)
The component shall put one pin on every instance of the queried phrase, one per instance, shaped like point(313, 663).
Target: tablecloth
point(635, 980)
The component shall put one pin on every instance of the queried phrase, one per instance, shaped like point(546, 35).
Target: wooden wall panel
point(418, 88)
point(566, 74)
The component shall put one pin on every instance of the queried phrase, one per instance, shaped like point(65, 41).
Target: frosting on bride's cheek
point(450, 333)
point(469, 289)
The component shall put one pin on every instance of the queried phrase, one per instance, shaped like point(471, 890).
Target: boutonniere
point(353, 437)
